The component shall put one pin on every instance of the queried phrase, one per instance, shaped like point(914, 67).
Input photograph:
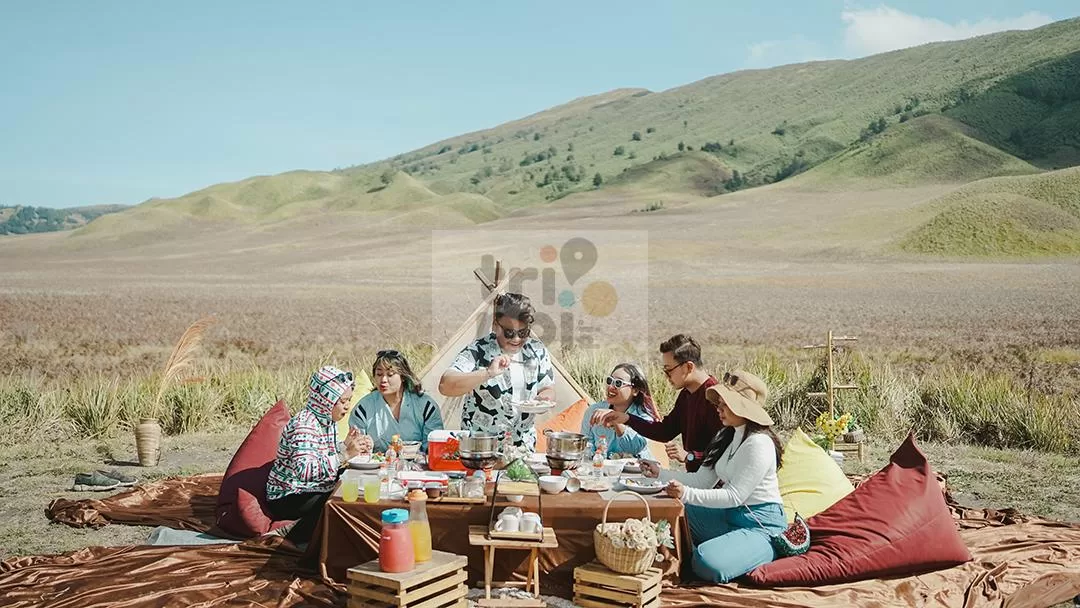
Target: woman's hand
point(675, 489)
point(649, 468)
point(357, 443)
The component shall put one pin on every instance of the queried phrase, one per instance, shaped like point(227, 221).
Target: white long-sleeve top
point(747, 470)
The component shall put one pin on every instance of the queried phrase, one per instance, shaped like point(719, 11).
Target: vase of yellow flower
point(832, 428)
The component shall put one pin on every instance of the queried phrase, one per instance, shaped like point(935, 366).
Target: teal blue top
point(629, 443)
point(419, 416)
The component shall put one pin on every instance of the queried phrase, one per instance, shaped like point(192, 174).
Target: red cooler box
point(443, 451)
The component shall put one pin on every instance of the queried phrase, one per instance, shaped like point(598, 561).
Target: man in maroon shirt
point(693, 416)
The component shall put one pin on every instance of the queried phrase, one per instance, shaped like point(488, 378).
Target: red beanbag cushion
point(895, 523)
point(241, 504)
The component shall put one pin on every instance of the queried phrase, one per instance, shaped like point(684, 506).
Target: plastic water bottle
point(598, 457)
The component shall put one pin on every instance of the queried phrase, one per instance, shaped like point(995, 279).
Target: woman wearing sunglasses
point(495, 371)
point(306, 468)
point(397, 406)
point(628, 392)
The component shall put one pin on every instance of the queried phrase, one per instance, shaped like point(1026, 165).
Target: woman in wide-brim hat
point(733, 502)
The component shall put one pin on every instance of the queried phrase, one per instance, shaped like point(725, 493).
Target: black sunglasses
point(509, 334)
point(342, 377)
point(668, 370)
point(388, 353)
point(730, 379)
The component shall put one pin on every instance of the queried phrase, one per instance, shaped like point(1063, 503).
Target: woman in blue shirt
point(397, 406)
point(627, 391)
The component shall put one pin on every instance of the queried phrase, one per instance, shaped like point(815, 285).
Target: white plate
point(364, 463)
point(534, 407)
point(641, 486)
point(595, 484)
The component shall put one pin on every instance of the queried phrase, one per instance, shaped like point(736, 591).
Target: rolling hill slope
point(1005, 216)
point(766, 124)
point(930, 149)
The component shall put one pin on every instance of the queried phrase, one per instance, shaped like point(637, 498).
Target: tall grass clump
point(94, 406)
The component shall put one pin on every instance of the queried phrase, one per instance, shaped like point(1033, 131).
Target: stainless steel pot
point(563, 444)
point(479, 443)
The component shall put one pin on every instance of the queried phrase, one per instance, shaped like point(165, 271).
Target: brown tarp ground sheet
point(1018, 562)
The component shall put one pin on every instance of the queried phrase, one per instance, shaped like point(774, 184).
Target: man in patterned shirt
point(496, 370)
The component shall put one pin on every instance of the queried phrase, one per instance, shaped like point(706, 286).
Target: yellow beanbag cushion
point(363, 387)
point(810, 480)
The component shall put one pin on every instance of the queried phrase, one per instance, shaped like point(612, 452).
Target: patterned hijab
point(325, 389)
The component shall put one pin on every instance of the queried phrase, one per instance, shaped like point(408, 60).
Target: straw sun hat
point(744, 393)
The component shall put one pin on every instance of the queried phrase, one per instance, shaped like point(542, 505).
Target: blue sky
point(115, 102)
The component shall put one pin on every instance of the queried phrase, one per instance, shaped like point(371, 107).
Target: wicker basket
point(621, 559)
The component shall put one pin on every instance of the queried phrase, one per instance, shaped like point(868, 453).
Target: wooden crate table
point(436, 583)
point(478, 537)
point(596, 586)
point(846, 448)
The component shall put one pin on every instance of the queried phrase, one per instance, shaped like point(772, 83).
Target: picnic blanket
point(1018, 562)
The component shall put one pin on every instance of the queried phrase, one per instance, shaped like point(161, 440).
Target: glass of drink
point(350, 489)
point(372, 488)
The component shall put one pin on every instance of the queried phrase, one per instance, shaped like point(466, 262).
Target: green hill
point(697, 173)
point(1004, 216)
point(25, 220)
point(1034, 114)
point(765, 124)
point(923, 150)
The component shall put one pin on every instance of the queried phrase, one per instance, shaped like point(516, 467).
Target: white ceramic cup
point(515, 511)
point(508, 522)
point(530, 522)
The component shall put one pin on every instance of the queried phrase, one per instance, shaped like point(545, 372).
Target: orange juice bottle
point(418, 525)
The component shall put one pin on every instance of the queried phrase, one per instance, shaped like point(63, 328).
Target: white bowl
point(515, 497)
point(613, 468)
point(552, 484)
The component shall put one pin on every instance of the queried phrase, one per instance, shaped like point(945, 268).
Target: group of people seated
point(728, 450)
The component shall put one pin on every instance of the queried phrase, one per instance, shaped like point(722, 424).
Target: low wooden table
point(348, 534)
point(478, 538)
point(436, 583)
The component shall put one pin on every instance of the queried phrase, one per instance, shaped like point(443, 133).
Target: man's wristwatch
point(690, 457)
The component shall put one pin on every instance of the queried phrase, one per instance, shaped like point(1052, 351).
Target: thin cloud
point(870, 31)
point(770, 53)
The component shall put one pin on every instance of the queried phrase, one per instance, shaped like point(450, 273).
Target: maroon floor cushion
point(895, 523)
point(241, 504)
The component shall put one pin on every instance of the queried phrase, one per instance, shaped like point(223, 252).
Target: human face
point(620, 397)
point(342, 406)
point(727, 417)
point(506, 325)
point(388, 380)
point(676, 372)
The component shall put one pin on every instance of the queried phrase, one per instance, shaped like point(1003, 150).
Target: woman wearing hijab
point(733, 502)
point(306, 468)
point(627, 392)
point(398, 405)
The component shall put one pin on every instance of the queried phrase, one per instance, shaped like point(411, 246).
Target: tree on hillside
point(636, 136)
point(682, 146)
point(387, 177)
point(650, 130)
point(597, 180)
point(536, 137)
point(619, 150)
